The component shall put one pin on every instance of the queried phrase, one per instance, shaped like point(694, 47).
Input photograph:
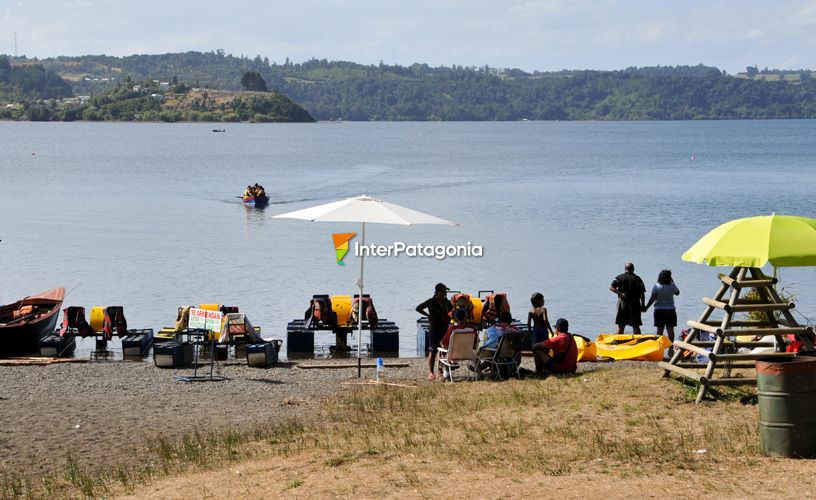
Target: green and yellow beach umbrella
point(782, 240)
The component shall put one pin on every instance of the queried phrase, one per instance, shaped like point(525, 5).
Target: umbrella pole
point(360, 310)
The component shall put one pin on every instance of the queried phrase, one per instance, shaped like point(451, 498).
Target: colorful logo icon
point(341, 245)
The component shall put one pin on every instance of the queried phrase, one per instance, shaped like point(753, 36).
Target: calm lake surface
point(146, 215)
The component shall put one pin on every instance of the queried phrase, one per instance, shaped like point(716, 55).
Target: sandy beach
point(103, 413)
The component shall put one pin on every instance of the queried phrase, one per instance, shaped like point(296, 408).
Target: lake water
point(146, 215)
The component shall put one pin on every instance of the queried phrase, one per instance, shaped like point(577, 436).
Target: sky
point(528, 34)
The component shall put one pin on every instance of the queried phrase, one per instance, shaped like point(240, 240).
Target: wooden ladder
point(722, 351)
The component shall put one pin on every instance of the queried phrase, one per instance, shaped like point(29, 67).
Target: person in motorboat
point(259, 191)
point(249, 192)
point(564, 358)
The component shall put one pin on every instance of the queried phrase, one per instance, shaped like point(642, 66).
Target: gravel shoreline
point(103, 413)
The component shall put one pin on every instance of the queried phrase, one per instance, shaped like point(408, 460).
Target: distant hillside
point(18, 83)
point(155, 100)
point(344, 90)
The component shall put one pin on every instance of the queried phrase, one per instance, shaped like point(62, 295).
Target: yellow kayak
point(632, 347)
point(587, 350)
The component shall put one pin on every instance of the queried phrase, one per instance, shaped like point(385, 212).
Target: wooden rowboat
point(25, 322)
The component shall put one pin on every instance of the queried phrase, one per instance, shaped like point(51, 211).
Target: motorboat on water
point(255, 201)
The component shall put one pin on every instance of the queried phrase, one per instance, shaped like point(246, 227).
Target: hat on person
point(460, 314)
point(440, 287)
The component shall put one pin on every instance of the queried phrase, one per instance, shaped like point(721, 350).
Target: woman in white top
point(665, 314)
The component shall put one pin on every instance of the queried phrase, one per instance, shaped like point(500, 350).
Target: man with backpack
point(564, 358)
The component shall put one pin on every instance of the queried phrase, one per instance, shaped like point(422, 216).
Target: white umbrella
point(363, 209)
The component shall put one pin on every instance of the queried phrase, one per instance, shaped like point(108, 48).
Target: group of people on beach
point(554, 349)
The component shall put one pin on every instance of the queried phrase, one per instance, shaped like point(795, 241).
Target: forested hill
point(344, 90)
point(30, 82)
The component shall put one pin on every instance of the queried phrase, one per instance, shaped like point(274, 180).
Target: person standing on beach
point(631, 294)
point(437, 309)
point(665, 314)
point(538, 319)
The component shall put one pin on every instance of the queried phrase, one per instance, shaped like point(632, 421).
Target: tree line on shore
point(332, 90)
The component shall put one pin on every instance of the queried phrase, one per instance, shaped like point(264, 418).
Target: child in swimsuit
point(538, 319)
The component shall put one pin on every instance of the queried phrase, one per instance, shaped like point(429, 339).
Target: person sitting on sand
point(538, 319)
point(564, 358)
point(436, 309)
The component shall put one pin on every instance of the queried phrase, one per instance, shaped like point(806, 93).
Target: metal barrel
point(787, 407)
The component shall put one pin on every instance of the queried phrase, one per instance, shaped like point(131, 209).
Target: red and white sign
point(204, 319)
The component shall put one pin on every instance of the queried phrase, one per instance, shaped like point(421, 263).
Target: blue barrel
point(787, 407)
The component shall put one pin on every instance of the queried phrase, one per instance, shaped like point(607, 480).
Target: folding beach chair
point(503, 355)
point(459, 352)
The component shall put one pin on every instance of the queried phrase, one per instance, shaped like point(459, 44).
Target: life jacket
point(73, 319)
point(368, 310)
point(183, 318)
point(114, 318)
point(462, 301)
point(23, 311)
point(495, 303)
point(686, 355)
point(320, 311)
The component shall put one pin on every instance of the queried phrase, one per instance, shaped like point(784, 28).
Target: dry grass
point(602, 425)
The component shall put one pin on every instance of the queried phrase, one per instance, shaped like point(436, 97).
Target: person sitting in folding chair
point(564, 358)
point(460, 326)
point(490, 341)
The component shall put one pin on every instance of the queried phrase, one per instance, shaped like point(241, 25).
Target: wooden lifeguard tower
point(730, 333)
point(746, 245)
